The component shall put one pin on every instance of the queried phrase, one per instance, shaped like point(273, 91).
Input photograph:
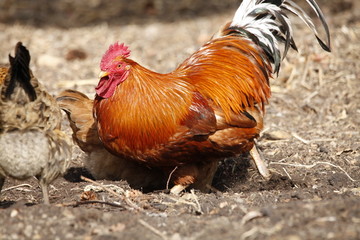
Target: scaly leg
point(177, 189)
point(2, 181)
point(45, 192)
point(260, 163)
point(182, 177)
point(198, 176)
point(206, 175)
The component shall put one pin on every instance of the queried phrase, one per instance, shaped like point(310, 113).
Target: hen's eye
point(119, 66)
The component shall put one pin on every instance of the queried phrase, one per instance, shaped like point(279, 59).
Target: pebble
point(14, 213)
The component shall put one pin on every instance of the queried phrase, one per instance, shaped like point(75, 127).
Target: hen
point(208, 108)
point(99, 162)
point(31, 143)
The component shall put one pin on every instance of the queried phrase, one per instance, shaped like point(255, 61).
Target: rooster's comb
point(115, 50)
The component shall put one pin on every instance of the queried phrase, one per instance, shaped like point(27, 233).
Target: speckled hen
point(31, 142)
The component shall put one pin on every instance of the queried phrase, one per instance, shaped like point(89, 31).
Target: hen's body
point(101, 163)
point(31, 143)
point(210, 107)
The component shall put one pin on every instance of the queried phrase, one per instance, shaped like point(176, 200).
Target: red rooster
point(209, 108)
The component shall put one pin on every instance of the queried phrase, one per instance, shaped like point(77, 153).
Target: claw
point(260, 163)
point(177, 189)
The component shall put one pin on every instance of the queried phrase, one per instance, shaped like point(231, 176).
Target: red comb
point(115, 50)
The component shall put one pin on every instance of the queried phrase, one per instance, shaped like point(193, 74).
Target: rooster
point(31, 142)
point(209, 108)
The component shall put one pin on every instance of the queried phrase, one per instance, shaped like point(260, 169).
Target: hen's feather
point(31, 105)
point(79, 107)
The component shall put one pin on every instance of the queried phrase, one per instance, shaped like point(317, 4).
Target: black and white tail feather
point(265, 22)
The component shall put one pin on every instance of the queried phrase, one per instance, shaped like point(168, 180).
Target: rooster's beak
point(103, 74)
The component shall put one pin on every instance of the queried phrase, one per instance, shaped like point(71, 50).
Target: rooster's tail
point(265, 23)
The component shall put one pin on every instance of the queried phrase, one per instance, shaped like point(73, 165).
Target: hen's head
point(114, 69)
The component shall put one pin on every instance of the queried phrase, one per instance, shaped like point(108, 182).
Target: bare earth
point(311, 140)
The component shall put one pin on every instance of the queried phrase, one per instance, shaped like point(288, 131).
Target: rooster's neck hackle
point(144, 111)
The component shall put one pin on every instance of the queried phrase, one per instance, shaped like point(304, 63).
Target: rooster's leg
point(260, 163)
point(45, 192)
point(2, 181)
point(182, 177)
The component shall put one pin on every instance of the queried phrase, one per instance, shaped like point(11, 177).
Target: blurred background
point(68, 13)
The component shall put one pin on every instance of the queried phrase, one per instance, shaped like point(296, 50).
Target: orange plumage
point(210, 107)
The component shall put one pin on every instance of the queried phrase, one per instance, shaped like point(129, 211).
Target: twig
point(170, 175)
point(322, 140)
point(197, 201)
point(179, 200)
point(151, 228)
point(127, 200)
point(17, 186)
point(321, 79)
point(102, 186)
point(295, 135)
point(310, 96)
point(313, 165)
point(306, 71)
point(284, 169)
point(78, 203)
point(286, 172)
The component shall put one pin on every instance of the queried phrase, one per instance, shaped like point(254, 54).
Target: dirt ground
point(311, 139)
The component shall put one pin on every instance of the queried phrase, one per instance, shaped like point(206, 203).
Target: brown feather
point(78, 108)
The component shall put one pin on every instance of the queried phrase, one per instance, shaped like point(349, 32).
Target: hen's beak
point(103, 74)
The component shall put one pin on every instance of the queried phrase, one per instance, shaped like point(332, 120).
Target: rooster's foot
point(260, 163)
point(177, 189)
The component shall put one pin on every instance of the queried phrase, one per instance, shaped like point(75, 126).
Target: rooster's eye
point(119, 66)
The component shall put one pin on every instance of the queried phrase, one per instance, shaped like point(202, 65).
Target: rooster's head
point(114, 69)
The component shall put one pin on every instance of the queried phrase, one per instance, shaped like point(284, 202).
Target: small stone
point(28, 231)
point(223, 204)
point(14, 213)
point(117, 227)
